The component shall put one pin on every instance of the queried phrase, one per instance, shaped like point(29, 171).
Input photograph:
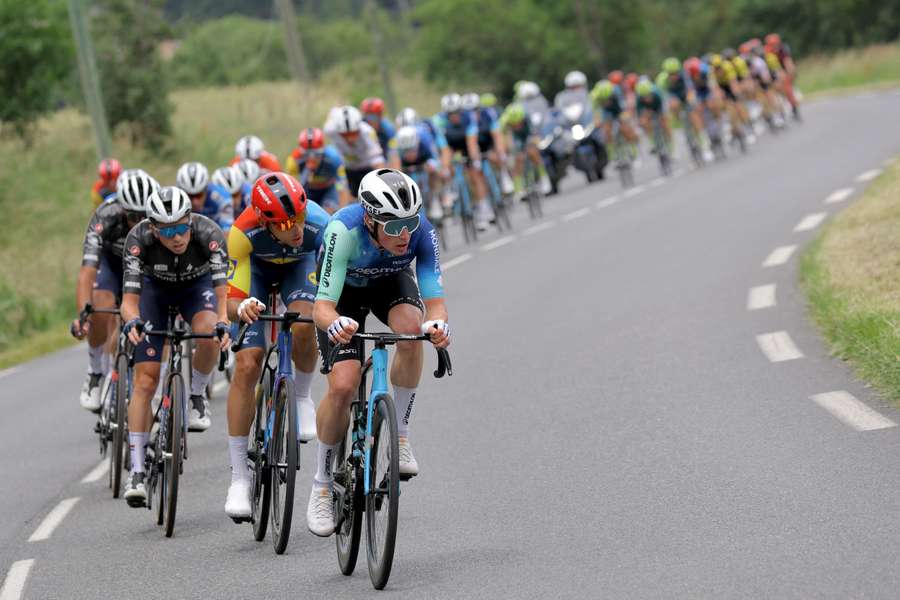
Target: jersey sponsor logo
point(161, 267)
point(98, 227)
point(232, 266)
point(208, 295)
point(329, 257)
point(214, 245)
point(151, 352)
point(135, 250)
point(312, 278)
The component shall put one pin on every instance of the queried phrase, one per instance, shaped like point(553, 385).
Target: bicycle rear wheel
point(172, 452)
point(383, 501)
point(348, 501)
point(260, 484)
point(118, 411)
point(285, 457)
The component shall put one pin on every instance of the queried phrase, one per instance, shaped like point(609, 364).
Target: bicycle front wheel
point(285, 458)
point(173, 451)
point(118, 411)
point(383, 500)
point(348, 501)
point(260, 487)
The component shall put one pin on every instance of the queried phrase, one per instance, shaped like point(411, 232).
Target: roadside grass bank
point(851, 275)
point(872, 67)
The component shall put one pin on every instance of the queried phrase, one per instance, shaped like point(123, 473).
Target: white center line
point(539, 227)
point(851, 411)
point(778, 346)
point(779, 256)
point(839, 195)
point(868, 176)
point(14, 584)
point(497, 243)
point(576, 213)
point(52, 520)
point(634, 191)
point(97, 472)
point(761, 296)
point(455, 261)
point(810, 222)
point(657, 182)
point(608, 202)
point(9, 371)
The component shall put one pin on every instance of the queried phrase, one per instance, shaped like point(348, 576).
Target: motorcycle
point(569, 138)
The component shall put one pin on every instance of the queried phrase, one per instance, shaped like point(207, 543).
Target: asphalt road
point(613, 429)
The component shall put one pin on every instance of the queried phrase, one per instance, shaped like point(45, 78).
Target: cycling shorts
point(485, 142)
point(729, 95)
point(326, 197)
point(703, 93)
point(156, 297)
point(109, 275)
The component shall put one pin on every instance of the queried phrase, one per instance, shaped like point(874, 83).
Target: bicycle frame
point(379, 388)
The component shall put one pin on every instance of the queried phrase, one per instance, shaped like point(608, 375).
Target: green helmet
point(671, 65)
point(514, 114)
point(644, 87)
point(603, 90)
point(662, 80)
point(488, 100)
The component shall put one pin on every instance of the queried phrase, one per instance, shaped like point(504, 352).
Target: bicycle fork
point(379, 387)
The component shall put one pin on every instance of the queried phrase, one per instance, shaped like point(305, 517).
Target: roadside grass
point(871, 67)
point(851, 275)
point(44, 189)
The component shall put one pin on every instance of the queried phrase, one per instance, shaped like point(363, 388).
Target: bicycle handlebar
point(288, 319)
point(86, 312)
point(182, 334)
point(444, 366)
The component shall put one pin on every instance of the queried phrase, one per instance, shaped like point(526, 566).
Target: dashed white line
point(9, 371)
point(608, 202)
point(539, 227)
point(761, 296)
point(634, 191)
point(778, 346)
point(97, 472)
point(839, 195)
point(657, 182)
point(52, 520)
point(455, 261)
point(779, 256)
point(576, 213)
point(847, 409)
point(16, 578)
point(497, 243)
point(810, 222)
point(868, 175)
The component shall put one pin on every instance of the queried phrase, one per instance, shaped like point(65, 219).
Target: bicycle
point(273, 452)
point(661, 146)
point(420, 176)
point(164, 461)
point(367, 477)
point(532, 190)
point(690, 134)
point(462, 207)
point(621, 155)
point(498, 203)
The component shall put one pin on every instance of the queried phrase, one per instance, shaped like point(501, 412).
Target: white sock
point(137, 440)
point(199, 381)
point(106, 363)
point(237, 449)
point(403, 404)
point(302, 383)
point(325, 465)
point(95, 358)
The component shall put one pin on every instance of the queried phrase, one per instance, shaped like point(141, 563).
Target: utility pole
point(90, 81)
point(292, 46)
point(378, 44)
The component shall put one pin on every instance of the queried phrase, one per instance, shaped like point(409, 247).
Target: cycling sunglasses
point(173, 230)
point(395, 227)
point(287, 224)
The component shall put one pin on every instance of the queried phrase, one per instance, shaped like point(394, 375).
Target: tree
point(35, 60)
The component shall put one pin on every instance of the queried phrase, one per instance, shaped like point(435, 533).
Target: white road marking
point(455, 261)
point(52, 520)
point(657, 182)
point(761, 296)
point(539, 227)
point(16, 578)
point(839, 195)
point(9, 371)
point(778, 346)
point(608, 202)
point(97, 472)
point(810, 222)
point(497, 243)
point(779, 256)
point(847, 409)
point(576, 213)
point(219, 386)
point(868, 175)
point(634, 191)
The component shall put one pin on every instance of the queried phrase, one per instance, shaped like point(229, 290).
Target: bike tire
point(350, 504)
point(174, 447)
point(285, 458)
point(260, 488)
point(383, 501)
point(119, 437)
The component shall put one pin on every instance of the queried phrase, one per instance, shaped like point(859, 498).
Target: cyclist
point(490, 138)
point(373, 112)
point(677, 84)
point(417, 154)
point(356, 141)
point(782, 52)
point(273, 243)
point(253, 148)
point(700, 78)
point(172, 258)
point(231, 179)
point(320, 169)
point(608, 97)
point(460, 128)
point(368, 251)
point(536, 106)
point(524, 142)
point(650, 105)
point(727, 80)
point(100, 277)
point(765, 83)
point(104, 187)
point(207, 199)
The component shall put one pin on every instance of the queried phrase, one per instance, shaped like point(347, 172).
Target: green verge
point(851, 275)
point(874, 67)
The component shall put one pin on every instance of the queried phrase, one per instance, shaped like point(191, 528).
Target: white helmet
point(389, 193)
point(407, 116)
point(229, 178)
point(192, 177)
point(249, 146)
point(451, 103)
point(168, 205)
point(576, 79)
point(133, 188)
point(471, 101)
point(346, 119)
point(407, 138)
point(528, 90)
point(248, 169)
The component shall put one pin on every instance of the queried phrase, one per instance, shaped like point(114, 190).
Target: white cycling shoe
point(320, 511)
point(90, 392)
point(237, 503)
point(408, 464)
point(306, 413)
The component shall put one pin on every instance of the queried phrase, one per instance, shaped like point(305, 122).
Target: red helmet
point(630, 81)
point(372, 106)
point(616, 77)
point(773, 39)
point(109, 169)
point(692, 66)
point(311, 138)
point(745, 48)
point(755, 43)
point(279, 198)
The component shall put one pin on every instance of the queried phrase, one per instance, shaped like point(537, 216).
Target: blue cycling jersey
point(427, 126)
point(329, 173)
point(456, 132)
point(386, 133)
point(423, 153)
point(217, 206)
point(488, 121)
point(246, 195)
